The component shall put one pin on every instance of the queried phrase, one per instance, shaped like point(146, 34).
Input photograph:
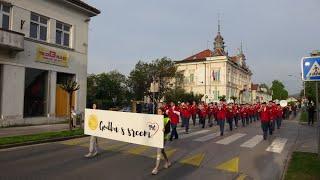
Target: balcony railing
point(11, 40)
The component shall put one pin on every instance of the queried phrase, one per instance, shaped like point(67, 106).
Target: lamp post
point(154, 88)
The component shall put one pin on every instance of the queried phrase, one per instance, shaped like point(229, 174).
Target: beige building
point(260, 94)
point(215, 73)
point(43, 44)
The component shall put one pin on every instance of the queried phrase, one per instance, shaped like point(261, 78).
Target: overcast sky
point(276, 33)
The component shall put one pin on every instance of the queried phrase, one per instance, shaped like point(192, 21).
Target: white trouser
point(93, 144)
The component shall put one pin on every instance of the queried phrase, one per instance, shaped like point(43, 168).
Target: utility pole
point(317, 106)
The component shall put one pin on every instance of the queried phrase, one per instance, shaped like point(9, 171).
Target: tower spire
point(219, 23)
point(241, 48)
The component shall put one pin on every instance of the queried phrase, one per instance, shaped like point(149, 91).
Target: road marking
point(230, 165)
point(193, 134)
point(194, 160)
point(207, 137)
point(252, 142)
point(242, 177)
point(277, 145)
point(169, 153)
point(230, 139)
point(138, 150)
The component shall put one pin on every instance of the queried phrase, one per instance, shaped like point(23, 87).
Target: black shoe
point(176, 138)
point(170, 139)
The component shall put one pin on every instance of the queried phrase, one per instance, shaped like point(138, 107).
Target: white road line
point(230, 139)
point(193, 134)
point(252, 142)
point(277, 145)
point(207, 137)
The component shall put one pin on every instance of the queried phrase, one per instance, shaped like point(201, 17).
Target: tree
point(278, 90)
point(70, 86)
point(178, 94)
point(161, 70)
point(108, 90)
point(222, 98)
point(234, 98)
point(310, 88)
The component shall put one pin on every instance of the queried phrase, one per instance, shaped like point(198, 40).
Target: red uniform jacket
point(230, 113)
point(193, 109)
point(185, 112)
point(265, 115)
point(174, 118)
point(244, 112)
point(221, 114)
point(202, 113)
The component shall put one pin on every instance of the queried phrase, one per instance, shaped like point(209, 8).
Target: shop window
point(4, 16)
point(38, 27)
point(63, 34)
point(35, 92)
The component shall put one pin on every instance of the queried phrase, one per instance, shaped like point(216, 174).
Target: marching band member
point(93, 147)
point(230, 116)
point(221, 117)
point(202, 113)
point(265, 120)
point(173, 113)
point(185, 116)
point(193, 110)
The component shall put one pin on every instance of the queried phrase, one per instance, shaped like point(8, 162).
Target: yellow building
point(214, 73)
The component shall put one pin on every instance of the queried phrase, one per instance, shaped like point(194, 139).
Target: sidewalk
point(15, 131)
point(307, 140)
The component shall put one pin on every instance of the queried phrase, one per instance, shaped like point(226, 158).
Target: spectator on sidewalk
point(93, 148)
point(311, 110)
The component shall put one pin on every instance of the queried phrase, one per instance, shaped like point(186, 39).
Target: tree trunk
point(70, 105)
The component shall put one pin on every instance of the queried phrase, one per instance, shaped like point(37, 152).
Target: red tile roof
point(201, 55)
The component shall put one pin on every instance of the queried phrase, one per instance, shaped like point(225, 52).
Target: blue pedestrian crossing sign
point(310, 67)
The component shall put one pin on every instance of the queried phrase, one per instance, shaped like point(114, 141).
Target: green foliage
point(178, 94)
point(222, 98)
point(303, 166)
point(278, 90)
point(39, 137)
point(310, 88)
point(70, 86)
point(107, 90)
point(234, 98)
point(162, 70)
point(303, 116)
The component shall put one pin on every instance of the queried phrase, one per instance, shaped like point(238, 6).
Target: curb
point(40, 142)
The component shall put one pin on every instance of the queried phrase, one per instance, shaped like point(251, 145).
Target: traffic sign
point(310, 67)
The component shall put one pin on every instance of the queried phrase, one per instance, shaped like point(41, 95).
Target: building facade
point(214, 73)
point(260, 94)
point(43, 43)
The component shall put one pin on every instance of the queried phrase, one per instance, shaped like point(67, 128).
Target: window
point(4, 16)
point(216, 75)
point(63, 34)
point(191, 78)
point(38, 27)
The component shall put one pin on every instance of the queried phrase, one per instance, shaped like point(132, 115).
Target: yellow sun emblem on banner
point(93, 122)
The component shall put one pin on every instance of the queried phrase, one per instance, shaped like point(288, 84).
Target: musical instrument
point(283, 103)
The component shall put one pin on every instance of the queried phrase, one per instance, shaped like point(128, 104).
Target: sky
point(276, 34)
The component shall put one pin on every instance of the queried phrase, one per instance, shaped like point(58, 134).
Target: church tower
point(219, 44)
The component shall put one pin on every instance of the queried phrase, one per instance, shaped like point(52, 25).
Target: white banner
point(143, 129)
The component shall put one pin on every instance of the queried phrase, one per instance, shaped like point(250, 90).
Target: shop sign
point(50, 56)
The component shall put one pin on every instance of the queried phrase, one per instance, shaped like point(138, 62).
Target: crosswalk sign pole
point(317, 105)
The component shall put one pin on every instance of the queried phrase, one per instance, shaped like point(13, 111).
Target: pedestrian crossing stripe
point(252, 142)
point(277, 145)
point(194, 160)
point(138, 150)
point(193, 134)
point(169, 153)
point(230, 165)
point(231, 138)
point(207, 137)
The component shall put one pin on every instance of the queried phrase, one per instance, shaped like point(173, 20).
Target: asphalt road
point(202, 154)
